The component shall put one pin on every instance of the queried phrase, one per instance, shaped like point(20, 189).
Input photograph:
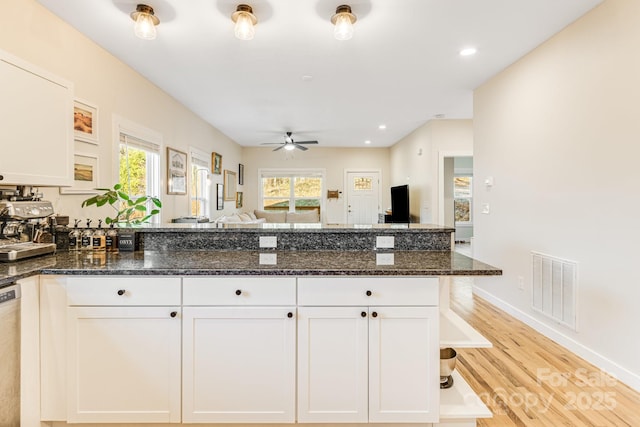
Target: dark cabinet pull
point(238, 292)
point(363, 314)
point(374, 314)
point(289, 315)
point(368, 293)
point(173, 314)
point(121, 292)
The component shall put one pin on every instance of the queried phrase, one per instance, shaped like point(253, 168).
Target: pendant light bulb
point(343, 21)
point(245, 22)
point(146, 21)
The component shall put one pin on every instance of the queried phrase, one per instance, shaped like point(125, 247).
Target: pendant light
point(343, 21)
point(245, 22)
point(146, 21)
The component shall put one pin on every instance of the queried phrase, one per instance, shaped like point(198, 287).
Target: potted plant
point(129, 211)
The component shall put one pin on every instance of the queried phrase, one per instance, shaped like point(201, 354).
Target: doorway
point(456, 193)
point(363, 197)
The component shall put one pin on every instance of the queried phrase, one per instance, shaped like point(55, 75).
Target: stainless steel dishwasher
point(10, 356)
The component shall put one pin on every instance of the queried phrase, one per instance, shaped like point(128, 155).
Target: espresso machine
point(26, 225)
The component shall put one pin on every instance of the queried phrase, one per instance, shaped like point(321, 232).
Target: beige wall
point(559, 132)
point(334, 160)
point(415, 161)
point(29, 31)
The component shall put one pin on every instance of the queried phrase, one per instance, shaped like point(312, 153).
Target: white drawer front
point(367, 291)
point(239, 291)
point(122, 291)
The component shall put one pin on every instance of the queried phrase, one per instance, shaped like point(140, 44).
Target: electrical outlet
point(486, 208)
point(387, 242)
point(268, 241)
point(521, 283)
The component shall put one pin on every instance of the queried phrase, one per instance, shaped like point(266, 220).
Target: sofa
point(260, 216)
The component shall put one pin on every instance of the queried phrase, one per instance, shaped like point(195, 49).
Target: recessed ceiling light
point(468, 51)
point(382, 127)
point(367, 142)
point(307, 78)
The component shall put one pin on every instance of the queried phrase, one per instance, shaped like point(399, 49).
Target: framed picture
point(176, 172)
point(219, 197)
point(229, 185)
point(85, 121)
point(85, 175)
point(239, 199)
point(240, 174)
point(216, 163)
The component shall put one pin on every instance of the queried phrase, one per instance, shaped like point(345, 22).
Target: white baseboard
point(620, 373)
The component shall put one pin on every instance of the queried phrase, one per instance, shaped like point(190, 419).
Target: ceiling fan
point(290, 144)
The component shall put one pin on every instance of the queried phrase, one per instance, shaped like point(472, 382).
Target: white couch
point(240, 218)
point(259, 217)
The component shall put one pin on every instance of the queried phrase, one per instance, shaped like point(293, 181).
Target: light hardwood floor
point(528, 380)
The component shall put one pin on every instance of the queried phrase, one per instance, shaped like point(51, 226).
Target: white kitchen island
point(211, 337)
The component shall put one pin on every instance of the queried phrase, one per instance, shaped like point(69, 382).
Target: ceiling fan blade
point(300, 147)
point(278, 148)
point(271, 143)
point(306, 142)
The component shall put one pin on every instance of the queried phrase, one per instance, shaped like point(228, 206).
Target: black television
point(400, 204)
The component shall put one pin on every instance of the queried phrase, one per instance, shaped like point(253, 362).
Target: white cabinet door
point(123, 364)
point(239, 364)
point(332, 364)
point(403, 364)
point(36, 125)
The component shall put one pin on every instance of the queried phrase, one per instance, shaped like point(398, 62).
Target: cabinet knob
point(173, 314)
point(238, 292)
point(289, 315)
point(1, 177)
point(121, 292)
point(374, 314)
point(368, 293)
point(363, 314)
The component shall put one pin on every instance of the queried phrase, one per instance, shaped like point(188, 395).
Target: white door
point(332, 365)
point(123, 364)
point(239, 364)
point(404, 364)
point(363, 197)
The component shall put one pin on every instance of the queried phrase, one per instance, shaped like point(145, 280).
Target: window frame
point(143, 138)
point(203, 161)
point(293, 173)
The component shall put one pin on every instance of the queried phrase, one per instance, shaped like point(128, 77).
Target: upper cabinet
point(36, 125)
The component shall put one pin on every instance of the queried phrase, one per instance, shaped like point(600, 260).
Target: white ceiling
point(400, 69)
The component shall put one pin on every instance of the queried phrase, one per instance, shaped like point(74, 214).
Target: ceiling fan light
point(343, 21)
point(146, 21)
point(245, 22)
point(289, 147)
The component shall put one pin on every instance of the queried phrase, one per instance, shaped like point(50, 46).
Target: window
point(292, 191)
point(462, 198)
point(139, 168)
point(200, 189)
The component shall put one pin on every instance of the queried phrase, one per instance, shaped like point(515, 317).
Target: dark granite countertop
point(297, 227)
point(247, 263)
